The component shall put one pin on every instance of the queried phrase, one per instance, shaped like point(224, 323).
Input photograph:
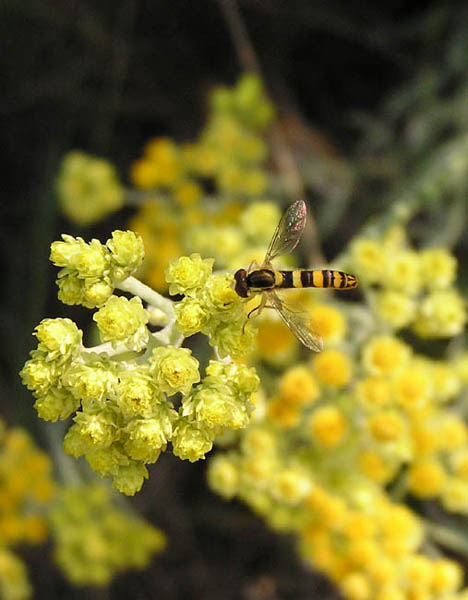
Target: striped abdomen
point(316, 278)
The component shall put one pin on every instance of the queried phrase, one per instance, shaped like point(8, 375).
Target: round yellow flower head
point(127, 250)
point(191, 315)
point(455, 495)
point(374, 392)
point(328, 425)
point(88, 188)
point(395, 308)
point(447, 576)
point(374, 466)
point(333, 368)
point(426, 478)
point(369, 260)
point(328, 322)
point(298, 386)
point(441, 314)
point(412, 387)
point(438, 268)
point(223, 476)
point(122, 320)
point(190, 442)
point(188, 274)
point(403, 272)
point(259, 221)
point(290, 486)
point(356, 586)
point(58, 338)
point(385, 355)
point(174, 369)
point(386, 425)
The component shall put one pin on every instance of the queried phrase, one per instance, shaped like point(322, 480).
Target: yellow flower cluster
point(88, 188)
point(340, 430)
point(123, 400)
point(210, 305)
point(410, 288)
point(26, 489)
point(229, 155)
point(228, 150)
point(94, 540)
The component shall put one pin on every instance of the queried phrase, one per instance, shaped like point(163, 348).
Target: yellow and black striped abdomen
point(316, 278)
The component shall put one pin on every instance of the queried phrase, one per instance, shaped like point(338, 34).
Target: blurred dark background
point(106, 76)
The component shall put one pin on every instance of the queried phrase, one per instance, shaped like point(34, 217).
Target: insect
point(265, 279)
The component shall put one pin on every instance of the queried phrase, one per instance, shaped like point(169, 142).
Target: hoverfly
point(265, 279)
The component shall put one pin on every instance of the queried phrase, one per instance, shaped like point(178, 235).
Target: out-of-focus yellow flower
point(374, 467)
point(188, 194)
point(441, 314)
point(412, 388)
point(426, 478)
point(328, 425)
point(333, 368)
point(356, 586)
point(385, 355)
point(386, 425)
point(447, 576)
point(328, 322)
point(274, 341)
point(88, 188)
point(438, 268)
point(395, 308)
point(455, 495)
point(299, 386)
point(374, 392)
point(283, 414)
point(369, 260)
point(403, 272)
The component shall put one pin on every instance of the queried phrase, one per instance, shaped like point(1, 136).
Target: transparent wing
point(288, 232)
point(298, 322)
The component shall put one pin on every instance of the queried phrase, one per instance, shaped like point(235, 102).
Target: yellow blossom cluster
point(224, 167)
point(94, 540)
point(408, 287)
point(26, 490)
point(339, 440)
point(138, 391)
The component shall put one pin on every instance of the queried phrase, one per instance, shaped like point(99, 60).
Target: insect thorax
point(261, 279)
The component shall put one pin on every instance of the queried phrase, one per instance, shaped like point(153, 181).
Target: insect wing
point(298, 322)
point(288, 232)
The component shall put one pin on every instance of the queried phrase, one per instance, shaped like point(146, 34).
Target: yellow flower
point(426, 478)
point(290, 486)
point(386, 425)
point(275, 343)
point(395, 308)
point(188, 193)
point(453, 432)
point(328, 322)
point(328, 425)
point(412, 388)
point(298, 386)
point(455, 495)
point(403, 272)
point(459, 462)
point(374, 467)
point(447, 576)
point(356, 586)
point(333, 368)
point(283, 414)
point(223, 476)
point(385, 355)
point(144, 174)
point(369, 260)
point(374, 392)
point(442, 314)
point(438, 267)
point(417, 572)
